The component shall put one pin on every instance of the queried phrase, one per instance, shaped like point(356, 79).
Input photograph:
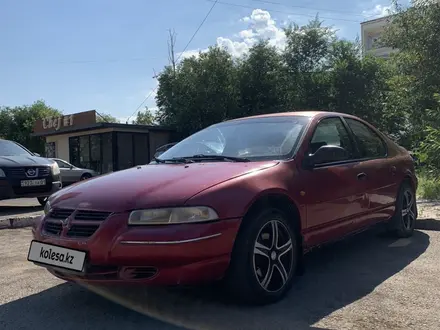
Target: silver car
point(71, 174)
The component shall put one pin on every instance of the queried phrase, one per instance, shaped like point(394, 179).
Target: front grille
point(60, 213)
point(139, 272)
point(20, 172)
point(82, 230)
point(83, 223)
point(53, 228)
point(82, 215)
point(91, 215)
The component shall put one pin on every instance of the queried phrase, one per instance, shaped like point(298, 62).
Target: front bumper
point(159, 255)
point(9, 190)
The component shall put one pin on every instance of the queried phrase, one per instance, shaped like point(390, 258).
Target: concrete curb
point(14, 222)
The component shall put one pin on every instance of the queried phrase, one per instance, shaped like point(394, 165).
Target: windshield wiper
point(174, 160)
point(219, 157)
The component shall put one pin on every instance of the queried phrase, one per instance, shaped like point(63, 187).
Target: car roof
point(310, 114)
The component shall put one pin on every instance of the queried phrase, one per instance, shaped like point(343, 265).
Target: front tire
point(403, 222)
point(264, 259)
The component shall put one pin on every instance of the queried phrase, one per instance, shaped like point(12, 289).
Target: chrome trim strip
point(170, 242)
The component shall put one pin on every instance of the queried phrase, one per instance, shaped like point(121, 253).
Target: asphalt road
point(368, 282)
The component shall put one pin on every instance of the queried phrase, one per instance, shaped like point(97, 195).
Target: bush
point(429, 186)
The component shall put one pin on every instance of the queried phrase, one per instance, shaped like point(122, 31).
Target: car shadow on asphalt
point(336, 276)
point(72, 307)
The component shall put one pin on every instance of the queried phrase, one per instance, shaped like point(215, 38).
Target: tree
point(17, 123)
point(414, 32)
point(201, 91)
point(144, 117)
point(316, 71)
point(261, 79)
point(105, 118)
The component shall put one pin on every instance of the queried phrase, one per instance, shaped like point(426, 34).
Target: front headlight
point(2, 173)
point(173, 215)
point(55, 169)
point(47, 208)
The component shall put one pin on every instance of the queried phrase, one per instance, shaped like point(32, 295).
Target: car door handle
point(362, 176)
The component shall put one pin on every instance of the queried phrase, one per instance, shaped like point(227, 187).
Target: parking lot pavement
point(19, 210)
point(367, 282)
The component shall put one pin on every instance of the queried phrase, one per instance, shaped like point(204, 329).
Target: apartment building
point(372, 30)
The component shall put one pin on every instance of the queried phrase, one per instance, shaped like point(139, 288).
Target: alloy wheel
point(273, 256)
point(408, 210)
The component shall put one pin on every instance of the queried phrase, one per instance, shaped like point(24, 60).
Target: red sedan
point(241, 201)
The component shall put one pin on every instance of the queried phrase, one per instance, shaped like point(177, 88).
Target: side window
point(61, 164)
point(331, 131)
point(370, 144)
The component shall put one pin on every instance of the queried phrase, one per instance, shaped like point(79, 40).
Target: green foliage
point(105, 118)
point(144, 117)
point(17, 123)
point(429, 185)
point(414, 32)
point(316, 70)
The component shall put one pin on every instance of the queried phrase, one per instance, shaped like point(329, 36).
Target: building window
point(74, 151)
point(141, 149)
point(50, 150)
point(84, 151)
point(125, 150)
point(95, 152)
point(107, 152)
point(92, 152)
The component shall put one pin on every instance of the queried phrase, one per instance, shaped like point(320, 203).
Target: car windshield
point(9, 148)
point(254, 139)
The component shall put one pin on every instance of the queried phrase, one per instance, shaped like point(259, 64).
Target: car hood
point(153, 185)
point(24, 160)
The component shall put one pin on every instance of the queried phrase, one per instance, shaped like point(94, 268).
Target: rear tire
point(85, 176)
point(42, 200)
point(403, 222)
point(264, 259)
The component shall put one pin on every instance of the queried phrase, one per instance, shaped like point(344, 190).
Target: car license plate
point(53, 255)
point(33, 183)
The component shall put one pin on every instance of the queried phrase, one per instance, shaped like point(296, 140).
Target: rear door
point(379, 169)
point(333, 192)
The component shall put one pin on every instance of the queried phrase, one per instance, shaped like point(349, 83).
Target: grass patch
point(429, 186)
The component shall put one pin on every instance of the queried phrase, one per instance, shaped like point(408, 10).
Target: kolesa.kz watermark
point(56, 256)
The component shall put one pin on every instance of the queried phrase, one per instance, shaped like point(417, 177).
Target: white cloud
point(377, 11)
point(261, 26)
point(190, 53)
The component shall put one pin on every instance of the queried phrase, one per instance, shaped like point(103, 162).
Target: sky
point(103, 54)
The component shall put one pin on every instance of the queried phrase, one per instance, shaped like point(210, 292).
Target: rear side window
point(369, 142)
point(331, 131)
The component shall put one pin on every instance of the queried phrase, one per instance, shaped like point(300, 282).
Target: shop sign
point(57, 122)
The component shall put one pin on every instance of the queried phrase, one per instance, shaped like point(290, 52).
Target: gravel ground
point(367, 282)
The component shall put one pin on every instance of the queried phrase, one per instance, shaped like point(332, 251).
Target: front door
point(333, 191)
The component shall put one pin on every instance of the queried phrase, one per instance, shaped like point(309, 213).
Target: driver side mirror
point(326, 154)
